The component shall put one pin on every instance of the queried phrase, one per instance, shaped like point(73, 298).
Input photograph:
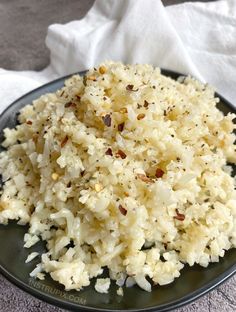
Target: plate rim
point(46, 297)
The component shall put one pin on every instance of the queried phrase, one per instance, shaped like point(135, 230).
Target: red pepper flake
point(70, 104)
point(159, 173)
point(121, 126)
point(123, 210)
point(145, 104)
point(179, 216)
point(109, 152)
point(78, 97)
point(29, 122)
point(130, 87)
point(120, 154)
point(144, 178)
point(140, 116)
point(64, 141)
point(107, 120)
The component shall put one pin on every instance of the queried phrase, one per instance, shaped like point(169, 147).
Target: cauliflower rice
point(125, 169)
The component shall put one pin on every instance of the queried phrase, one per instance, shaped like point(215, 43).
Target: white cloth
point(192, 38)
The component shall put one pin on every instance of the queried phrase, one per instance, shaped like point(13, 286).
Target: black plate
point(192, 283)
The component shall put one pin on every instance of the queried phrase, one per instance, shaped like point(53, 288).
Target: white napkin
point(194, 38)
point(208, 31)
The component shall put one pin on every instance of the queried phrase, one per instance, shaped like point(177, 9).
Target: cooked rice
point(124, 169)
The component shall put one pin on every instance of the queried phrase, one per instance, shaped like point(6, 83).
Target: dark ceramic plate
point(193, 282)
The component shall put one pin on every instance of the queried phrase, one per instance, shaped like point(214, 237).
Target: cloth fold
point(130, 31)
point(191, 38)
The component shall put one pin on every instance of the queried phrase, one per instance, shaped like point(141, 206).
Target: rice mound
point(124, 168)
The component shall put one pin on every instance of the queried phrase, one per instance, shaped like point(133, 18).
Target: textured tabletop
point(22, 47)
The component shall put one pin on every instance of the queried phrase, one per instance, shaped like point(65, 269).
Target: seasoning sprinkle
point(70, 104)
point(179, 216)
point(120, 154)
point(140, 116)
point(85, 80)
point(145, 104)
point(121, 126)
point(130, 87)
point(159, 173)
point(82, 173)
point(122, 210)
point(109, 152)
point(144, 178)
point(29, 122)
point(107, 120)
point(64, 141)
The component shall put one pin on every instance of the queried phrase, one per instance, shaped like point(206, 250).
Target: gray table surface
point(23, 27)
